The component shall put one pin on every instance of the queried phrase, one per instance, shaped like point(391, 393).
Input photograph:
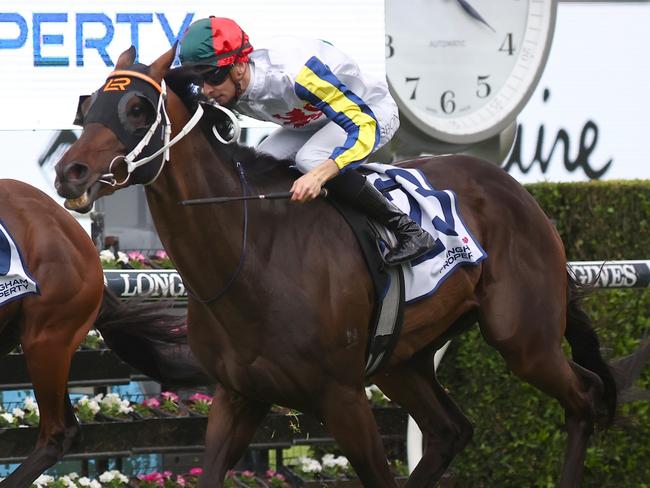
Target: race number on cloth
point(15, 281)
point(437, 213)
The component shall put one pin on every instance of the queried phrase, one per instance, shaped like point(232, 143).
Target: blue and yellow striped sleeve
point(317, 85)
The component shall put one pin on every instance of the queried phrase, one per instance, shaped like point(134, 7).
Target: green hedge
point(599, 220)
point(519, 438)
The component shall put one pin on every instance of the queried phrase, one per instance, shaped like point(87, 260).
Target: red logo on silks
point(465, 240)
point(298, 118)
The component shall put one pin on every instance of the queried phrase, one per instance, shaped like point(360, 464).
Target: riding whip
point(268, 196)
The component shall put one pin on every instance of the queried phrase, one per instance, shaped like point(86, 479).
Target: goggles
point(216, 76)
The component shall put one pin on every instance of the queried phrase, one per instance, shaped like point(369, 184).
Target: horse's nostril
point(76, 172)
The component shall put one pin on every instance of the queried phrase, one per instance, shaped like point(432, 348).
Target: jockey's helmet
point(212, 46)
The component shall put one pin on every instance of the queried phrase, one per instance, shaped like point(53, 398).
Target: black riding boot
point(412, 240)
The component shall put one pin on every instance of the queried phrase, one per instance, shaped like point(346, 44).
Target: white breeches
point(309, 148)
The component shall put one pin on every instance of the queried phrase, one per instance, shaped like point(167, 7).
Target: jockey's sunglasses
point(216, 76)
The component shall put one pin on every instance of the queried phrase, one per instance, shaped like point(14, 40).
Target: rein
point(244, 247)
point(162, 116)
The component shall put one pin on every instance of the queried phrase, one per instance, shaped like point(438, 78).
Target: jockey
point(332, 116)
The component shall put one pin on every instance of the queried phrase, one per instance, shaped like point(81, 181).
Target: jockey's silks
point(305, 83)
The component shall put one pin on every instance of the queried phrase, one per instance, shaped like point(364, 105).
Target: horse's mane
point(261, 169)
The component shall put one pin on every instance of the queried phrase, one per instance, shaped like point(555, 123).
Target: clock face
point(461, 70)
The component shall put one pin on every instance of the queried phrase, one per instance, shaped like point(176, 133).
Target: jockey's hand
point(308, 186)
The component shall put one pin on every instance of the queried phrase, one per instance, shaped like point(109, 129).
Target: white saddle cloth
point(15, 281)
point(436, 211)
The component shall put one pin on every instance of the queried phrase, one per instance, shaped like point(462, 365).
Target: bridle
point(161, 118)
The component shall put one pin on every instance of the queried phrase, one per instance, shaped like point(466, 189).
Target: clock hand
point(473, 13)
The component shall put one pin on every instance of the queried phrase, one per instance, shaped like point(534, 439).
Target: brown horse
point(280, 299)
point(62, 258)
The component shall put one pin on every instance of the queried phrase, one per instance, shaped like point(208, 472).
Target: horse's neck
point(200, 239)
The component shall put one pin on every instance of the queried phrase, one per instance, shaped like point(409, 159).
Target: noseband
point(161, 118)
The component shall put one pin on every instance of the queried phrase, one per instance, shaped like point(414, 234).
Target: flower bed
point(135, 260)
point(234, 479)
point(111, 407)
point(167, 479)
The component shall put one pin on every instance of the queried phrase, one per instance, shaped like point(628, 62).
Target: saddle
point(388, 281)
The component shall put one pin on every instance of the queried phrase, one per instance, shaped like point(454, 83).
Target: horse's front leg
point(48, 364)
point(232, 422)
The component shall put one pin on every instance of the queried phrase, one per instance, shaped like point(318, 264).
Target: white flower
point(92, 405)
point(122, 257)
point(8, 417)
point(73, 476)
point(309, 465)
point(18, 413)
point(331, 461)
point(30, 405)
point(67, 481)
point(125, 407)
point(112, 401)
point(108, 476)
point(44, 480)
point(106, 255)
point(87, 482)
point(95, 333)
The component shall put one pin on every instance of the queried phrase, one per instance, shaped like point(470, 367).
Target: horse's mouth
point(84, 203)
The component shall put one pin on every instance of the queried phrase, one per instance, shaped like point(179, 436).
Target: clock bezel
point(507, 117)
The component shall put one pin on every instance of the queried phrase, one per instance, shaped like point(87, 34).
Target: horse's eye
point(136, 111)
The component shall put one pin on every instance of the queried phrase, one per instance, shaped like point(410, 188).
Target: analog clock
point(461, 70)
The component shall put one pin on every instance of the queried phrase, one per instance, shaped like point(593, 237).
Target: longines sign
point(612, 274)
point(167, 283)
point(150, 283)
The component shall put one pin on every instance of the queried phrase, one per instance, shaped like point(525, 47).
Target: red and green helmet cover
point(215, 42)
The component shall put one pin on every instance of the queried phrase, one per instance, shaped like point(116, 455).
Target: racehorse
point(61, 257)
point(280, 300)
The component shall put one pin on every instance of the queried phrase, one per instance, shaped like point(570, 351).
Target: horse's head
point(124, 123)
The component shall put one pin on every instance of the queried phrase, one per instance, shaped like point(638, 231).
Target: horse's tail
point(585, 347)
point(151, 339)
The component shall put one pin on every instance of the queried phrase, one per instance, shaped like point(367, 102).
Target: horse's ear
point(160, 66)
point(126, 59)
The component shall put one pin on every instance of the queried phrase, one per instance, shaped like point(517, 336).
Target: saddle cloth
point(15, 280)
point(436, 211)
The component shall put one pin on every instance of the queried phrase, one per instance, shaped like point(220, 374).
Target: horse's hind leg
point(348, 417)
point(526, 326)
point(446, 430)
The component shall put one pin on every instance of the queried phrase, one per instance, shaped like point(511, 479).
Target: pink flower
point(274, 474)
point(196, 471)
point(160, 254)
point(151, 402)
point(248, 474)
point(200, 397)
point(167, 474)
point(136, 256)
point(153, 477)
point(168, 395)
point(180, 481)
